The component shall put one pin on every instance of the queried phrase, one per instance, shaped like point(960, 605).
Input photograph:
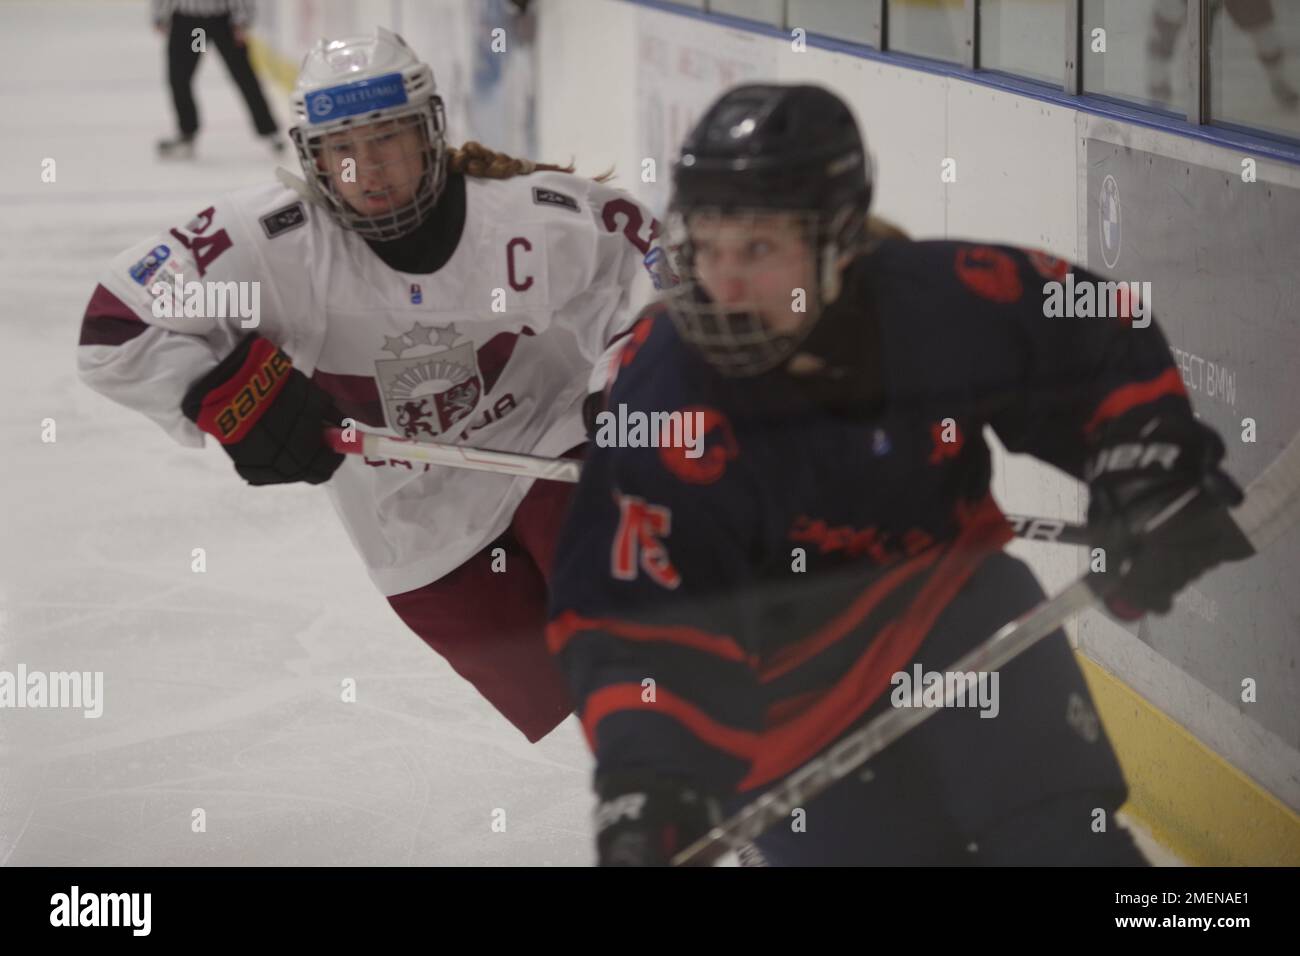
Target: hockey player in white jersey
point(422, 291)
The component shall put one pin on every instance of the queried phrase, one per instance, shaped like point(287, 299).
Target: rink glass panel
point(843, 19)
point(1129, 69)
point(931, 28)
point(764, 11)
point(1240, 91)
point(1024, 37)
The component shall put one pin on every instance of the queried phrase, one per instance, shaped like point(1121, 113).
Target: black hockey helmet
point(778, 147)
point(764, 148)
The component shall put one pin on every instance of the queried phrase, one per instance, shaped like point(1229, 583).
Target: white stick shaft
point(474, 459)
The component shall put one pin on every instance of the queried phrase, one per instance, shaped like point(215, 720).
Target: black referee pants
point(182, 60)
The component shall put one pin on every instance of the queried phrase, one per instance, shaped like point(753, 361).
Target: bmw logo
point(1110, 231)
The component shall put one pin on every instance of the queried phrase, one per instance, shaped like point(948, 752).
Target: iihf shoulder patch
point(282, 220)
point(549, 197)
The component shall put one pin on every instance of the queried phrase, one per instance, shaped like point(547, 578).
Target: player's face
point(387, 162)
point(756, 263)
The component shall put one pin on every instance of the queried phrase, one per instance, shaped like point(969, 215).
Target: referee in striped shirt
point(223, 22)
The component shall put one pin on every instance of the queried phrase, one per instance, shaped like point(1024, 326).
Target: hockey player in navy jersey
point(724, 613)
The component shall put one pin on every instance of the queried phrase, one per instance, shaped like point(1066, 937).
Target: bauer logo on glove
point(1131, 456)
point(259, 381)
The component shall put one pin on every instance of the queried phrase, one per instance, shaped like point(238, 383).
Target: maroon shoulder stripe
point(108, 320)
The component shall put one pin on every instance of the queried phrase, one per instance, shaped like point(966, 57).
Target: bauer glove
point(1140, 467)
point(268, 416)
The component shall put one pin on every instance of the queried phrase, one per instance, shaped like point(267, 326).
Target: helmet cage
point(426, 117)
point(733, 337)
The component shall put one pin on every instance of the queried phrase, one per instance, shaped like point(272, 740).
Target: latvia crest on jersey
point(431, 384)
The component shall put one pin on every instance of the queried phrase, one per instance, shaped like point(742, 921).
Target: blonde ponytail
point(475, 159)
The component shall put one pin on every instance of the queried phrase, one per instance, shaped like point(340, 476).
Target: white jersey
point(496, 349)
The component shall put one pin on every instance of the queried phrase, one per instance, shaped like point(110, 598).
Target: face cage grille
point(395, 223)
point(734, 338)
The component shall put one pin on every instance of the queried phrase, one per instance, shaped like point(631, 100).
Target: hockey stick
point(351, 441)
point(1271, 505)
point(356, 442)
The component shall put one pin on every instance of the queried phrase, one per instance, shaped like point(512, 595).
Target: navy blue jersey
point(723, 618)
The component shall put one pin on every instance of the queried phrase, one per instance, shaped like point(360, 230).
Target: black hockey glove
point(645, 820)
point(1139, 467)
point(268, 416)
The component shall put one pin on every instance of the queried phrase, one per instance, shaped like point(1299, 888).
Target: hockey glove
point(645, 820)
point(268, 416)
point(1139, 468)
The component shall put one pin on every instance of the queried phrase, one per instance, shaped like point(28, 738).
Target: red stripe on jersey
point(563, 628)
point(108, 320)
point(784, 748)
point(620, 698)
point(790, 707)
point(1127, 397)
point(788, 658)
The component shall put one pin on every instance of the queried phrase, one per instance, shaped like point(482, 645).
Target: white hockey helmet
point(369, 87)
